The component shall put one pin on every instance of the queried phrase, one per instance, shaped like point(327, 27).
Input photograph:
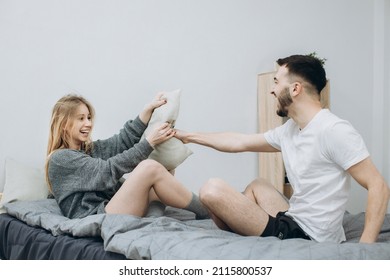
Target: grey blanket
point(177, 235)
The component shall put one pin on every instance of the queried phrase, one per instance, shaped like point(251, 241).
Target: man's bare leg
point(266, 196)
point(244, 213)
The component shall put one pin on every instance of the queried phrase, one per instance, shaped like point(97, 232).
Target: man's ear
point(296, 89)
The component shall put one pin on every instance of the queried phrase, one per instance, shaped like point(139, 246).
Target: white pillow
point(22, 183)
point(172, 152)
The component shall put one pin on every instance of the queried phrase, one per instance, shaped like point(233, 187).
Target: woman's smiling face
point(81, 127)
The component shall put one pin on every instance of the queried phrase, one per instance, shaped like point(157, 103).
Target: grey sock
point(197, 207)
point(156, 209)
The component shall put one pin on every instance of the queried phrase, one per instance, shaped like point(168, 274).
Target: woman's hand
point(160, 133)
point(157, 101)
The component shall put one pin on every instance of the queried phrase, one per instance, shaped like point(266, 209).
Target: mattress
point(19, 241)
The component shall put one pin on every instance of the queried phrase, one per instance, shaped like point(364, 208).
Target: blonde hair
point(62, 119)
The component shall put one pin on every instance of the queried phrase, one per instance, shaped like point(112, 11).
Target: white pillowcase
point(172, 152)
point(22, 182)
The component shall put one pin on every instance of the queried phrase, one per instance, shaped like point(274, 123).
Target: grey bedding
point(177, 235)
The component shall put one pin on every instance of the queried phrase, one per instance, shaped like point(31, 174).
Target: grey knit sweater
point(83, 184)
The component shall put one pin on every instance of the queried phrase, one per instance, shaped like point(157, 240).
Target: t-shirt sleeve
point(274, 136)
point(344, 145)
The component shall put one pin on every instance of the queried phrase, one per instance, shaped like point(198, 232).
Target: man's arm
point(367, 175)
point(230, 142)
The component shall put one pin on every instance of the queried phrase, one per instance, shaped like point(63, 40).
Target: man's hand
point(182, 136)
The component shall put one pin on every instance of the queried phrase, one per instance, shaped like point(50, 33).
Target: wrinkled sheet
point(176, 235)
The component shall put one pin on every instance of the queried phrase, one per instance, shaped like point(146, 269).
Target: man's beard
point(284, 100)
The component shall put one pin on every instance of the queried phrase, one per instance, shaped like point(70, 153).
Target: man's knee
point(258, 183)
point(261, 190)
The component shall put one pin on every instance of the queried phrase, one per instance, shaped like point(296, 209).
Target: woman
point(85, 177)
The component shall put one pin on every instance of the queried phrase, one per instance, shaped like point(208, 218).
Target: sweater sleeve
point(127, 137)
point(73, 171)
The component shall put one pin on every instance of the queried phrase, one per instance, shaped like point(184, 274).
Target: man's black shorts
point(283, 227)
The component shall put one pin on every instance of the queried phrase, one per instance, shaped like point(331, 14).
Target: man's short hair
point(307, 67)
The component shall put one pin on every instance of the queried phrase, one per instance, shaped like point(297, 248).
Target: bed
point(32, 226)
point(37, 230)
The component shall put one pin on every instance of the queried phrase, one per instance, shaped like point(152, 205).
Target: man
point(320, 152)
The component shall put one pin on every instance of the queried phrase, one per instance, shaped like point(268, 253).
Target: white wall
point(119, 53)
point(386, 92)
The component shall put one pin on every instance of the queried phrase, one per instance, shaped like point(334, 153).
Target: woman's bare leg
point(156, 208)
point(244, 213)
point(134, 195)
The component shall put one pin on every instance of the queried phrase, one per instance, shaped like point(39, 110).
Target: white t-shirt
point(316, 159)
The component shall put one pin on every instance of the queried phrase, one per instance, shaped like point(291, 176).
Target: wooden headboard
point(271, 165)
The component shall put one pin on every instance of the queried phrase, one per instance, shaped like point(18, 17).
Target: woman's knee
point(145, 175)
point(150, 167)
point(211, 190)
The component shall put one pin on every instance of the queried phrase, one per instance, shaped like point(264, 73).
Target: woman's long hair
point(62, 119)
